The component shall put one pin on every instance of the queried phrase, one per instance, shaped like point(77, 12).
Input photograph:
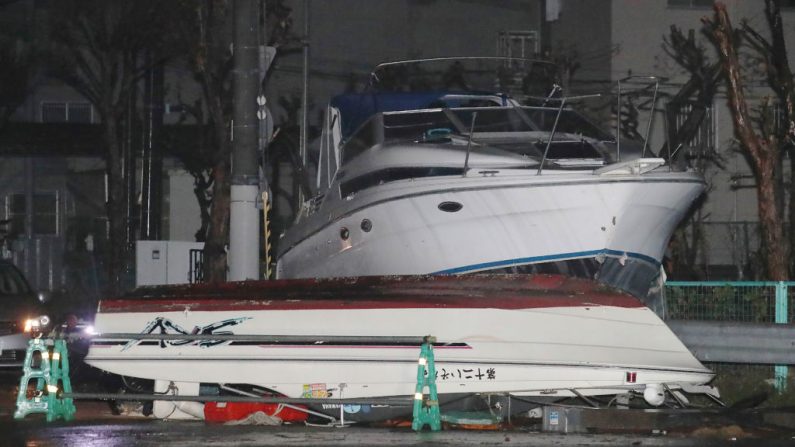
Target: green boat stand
point(51, 377)
point(426, 408)
point(51, 382)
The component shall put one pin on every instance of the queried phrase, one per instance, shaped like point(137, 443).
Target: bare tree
point(762, 147)
point(777, 120)
point(96, 48)
point(208, 38)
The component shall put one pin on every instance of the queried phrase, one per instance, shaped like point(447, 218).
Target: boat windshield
point(494, 119)
point(418, 124)
point(570, 122)
point(503, 126)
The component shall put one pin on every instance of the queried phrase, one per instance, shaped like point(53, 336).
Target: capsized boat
point(545, 336)
point(414, 179)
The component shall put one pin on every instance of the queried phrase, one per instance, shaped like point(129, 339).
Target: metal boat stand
point(60, 399)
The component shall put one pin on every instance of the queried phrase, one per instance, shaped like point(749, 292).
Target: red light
point(632, 377)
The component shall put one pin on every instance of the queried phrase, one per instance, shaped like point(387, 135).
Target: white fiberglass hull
point(519, 345)
point(504, 221)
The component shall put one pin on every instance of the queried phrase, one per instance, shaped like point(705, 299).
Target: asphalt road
point(96, 426)
point(158, 433)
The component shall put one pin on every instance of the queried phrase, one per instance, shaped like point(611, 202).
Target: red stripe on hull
point(510, 292)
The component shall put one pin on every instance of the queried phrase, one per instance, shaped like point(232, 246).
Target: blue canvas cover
point(356, 108)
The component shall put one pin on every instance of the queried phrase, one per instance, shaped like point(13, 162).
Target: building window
point(66, 112)
point(785, 4)
point(44, 216)
point(15, 205)
point(690, 3)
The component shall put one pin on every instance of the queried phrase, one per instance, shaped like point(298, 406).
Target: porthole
point(344, 234)
point(367, 225)
point(450, 207)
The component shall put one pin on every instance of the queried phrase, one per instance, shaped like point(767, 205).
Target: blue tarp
point(356, 108)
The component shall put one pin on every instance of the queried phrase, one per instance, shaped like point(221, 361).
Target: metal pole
point(294, 407)
point(651, 118)
point(392, 401)
point(31, 260)
point(129, 148)
point(781, 371)
point(304, 101)
point(244, 217)
point(618, 124)
point(551, 136)
point(152, 160)
point(469, 142)
point(667, 124)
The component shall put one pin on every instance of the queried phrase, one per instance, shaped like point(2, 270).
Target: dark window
point(569, 149)
point(415, 126)
point(66, 112)
point(16, 213)
point(79, 113)
point(569, 122)
point(45, 213)
point(53, 112)
point(393, 174)
point(363, 139)
point(502, 119)
point(690, 3)
point(11, 281)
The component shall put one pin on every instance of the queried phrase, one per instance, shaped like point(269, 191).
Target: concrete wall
point(585, 27)
point(350, 37)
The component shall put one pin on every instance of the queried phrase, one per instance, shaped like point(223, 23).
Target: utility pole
point(244, 217)
point(302, 193)
point(152, 151)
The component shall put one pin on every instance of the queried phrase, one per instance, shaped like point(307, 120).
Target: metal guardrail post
point(781, 371)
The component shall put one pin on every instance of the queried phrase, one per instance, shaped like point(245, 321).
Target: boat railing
point(646, 82)
point(555, 125)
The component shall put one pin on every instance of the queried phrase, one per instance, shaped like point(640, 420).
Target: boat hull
point(618, 225)
point(532, 336)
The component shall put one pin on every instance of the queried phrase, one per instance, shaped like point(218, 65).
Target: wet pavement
point(157, 433)
point(97, 426)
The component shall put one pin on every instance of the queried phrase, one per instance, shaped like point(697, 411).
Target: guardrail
point(735, 321)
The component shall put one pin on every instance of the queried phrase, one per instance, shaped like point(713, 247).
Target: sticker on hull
point(165, 326)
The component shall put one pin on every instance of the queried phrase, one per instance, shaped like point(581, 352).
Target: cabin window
point(364, 138)
point(394, 174)
point(570, 122)
point(502, 119)
point(568, 149)
point(413, 126)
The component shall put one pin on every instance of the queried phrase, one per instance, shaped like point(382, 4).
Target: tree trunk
point(774, 244)
point(215, 265)
point(763, 154)
point(215, 246)
point(118, 244)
